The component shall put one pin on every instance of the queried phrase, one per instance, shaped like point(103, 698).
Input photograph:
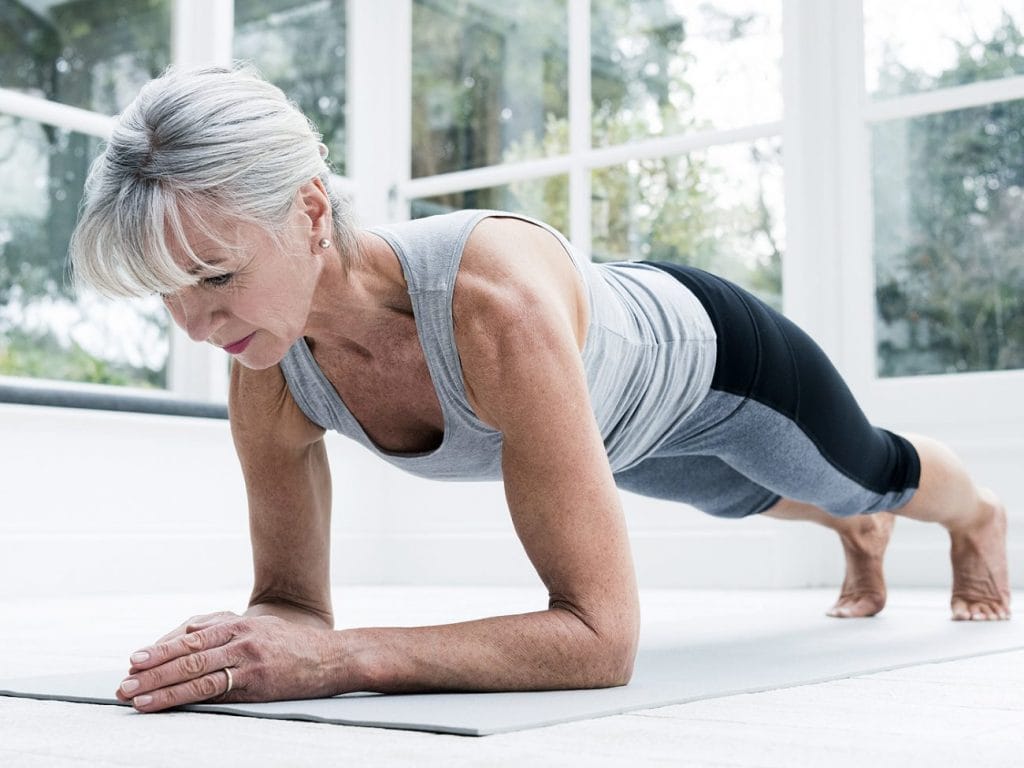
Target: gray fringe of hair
point(195, 144)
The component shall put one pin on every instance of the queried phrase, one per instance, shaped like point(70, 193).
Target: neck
point(350, 307)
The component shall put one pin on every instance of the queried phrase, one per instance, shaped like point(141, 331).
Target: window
point(643, 129)
point(660, 68)
point(93, 55)
point(491, 88)
point(948, 185)
point(546, 199)
point(89, 53)
point(299, 45)
point(718, 209)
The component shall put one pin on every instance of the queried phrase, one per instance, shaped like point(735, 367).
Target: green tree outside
point(949, 222)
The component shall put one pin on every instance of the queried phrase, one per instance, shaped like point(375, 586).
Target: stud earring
point(325, 243)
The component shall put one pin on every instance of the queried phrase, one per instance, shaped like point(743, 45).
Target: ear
point(315, 207)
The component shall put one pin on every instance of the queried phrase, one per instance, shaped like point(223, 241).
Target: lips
point(240, 345)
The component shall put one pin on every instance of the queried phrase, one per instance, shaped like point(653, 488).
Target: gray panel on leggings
point(762, 445)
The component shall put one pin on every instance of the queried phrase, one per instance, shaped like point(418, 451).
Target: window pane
point(489, 83)
point(92, 54)
point(949, 241)
point(45, 330)
point(544, 199)
point(921, 45)
point(299, 45)
point(719, 210)
point(662, 67)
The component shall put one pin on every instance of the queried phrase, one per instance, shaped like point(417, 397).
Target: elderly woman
point(474, 345)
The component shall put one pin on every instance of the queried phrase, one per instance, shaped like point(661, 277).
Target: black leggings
point(778, 422)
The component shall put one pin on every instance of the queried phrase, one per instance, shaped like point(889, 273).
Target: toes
point(990, 612)
point(964, 611)
point(855, 608)
point(978, 611)
point(960, 611)
point(866, 607)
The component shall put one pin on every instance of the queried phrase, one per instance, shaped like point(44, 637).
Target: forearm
point(546, 650)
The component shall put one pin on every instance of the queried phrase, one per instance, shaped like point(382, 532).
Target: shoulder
point(513, 267)
point(517, 294)
point(262, 411)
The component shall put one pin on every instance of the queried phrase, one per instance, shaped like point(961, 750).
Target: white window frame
point(828, 271)
point(964, 406)
point(828, 268)
point(202, 32)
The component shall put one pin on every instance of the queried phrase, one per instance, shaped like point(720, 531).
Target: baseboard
point(65, 565)
point(49, 565)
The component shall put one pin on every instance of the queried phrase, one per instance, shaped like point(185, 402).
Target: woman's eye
point(218, 280)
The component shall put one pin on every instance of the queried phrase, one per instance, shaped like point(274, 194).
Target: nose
point(193, 314)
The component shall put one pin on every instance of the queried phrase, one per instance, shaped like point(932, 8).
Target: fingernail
point(141, 701)
point(129, 685)
point(140, 657)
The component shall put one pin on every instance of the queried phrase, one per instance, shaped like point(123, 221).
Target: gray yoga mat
point(718, 656)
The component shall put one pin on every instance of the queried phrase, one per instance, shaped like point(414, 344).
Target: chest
point(388, 389)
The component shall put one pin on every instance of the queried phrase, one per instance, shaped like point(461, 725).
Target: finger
point(178, 631)
point(208, 686)
point(192, 624)
point(189, 643)
point(198, 621)
point(150, 669)
point(176, 671)
point(218, 619)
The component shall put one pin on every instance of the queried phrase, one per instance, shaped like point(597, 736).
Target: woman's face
point(260, 306)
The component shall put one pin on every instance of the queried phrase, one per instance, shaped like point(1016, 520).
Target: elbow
point(613, 657)
point(619, 658)
point(622, 642)
point(607, 656)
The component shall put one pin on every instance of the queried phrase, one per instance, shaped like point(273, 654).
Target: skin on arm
point(278, 646)
point(524, 374)
point(288, 484)
point(518, 335)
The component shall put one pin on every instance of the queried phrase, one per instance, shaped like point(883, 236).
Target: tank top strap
point(430, 255)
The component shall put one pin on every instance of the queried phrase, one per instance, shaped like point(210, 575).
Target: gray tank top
point(649, 354)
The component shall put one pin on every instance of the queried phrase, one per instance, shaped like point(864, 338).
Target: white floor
point(968, 712)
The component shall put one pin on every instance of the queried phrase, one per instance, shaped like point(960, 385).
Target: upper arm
point(521, 359)
point(288, 484)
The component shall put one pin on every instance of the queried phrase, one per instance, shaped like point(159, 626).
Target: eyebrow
point(195, 269)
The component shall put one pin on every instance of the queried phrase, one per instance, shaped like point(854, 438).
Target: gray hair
point(195, 142)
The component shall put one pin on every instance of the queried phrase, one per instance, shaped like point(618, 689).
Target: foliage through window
point(92, 54)
point(299, 45)
point(46, 331)
point(949, 225)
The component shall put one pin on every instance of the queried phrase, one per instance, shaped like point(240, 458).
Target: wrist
point(350, 661)
point(292, 613)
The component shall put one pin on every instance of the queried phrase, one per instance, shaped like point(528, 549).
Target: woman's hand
point(194, 623)
point(270, 659)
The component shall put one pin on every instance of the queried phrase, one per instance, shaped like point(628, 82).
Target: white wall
point(98, 502)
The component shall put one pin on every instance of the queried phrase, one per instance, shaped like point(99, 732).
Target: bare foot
point(981, 584)
point(864, 538)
